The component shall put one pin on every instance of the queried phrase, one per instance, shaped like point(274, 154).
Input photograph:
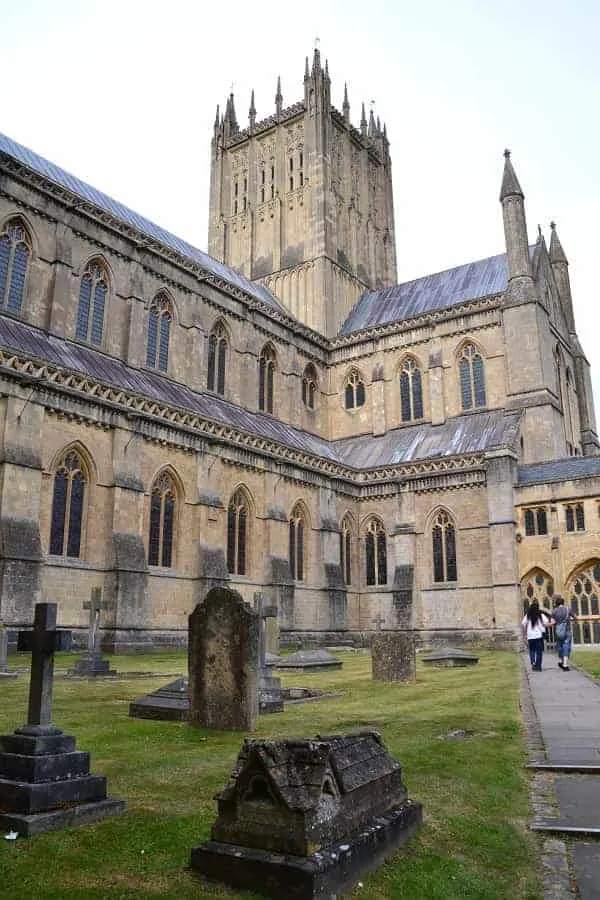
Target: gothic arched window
point(582, 596)
point(14, 261)
point(68, 506)
point(163, 498)
point(159, 329)
point(411, 391)
point(237, 534)
point(309, 386)
point(354, 392)
point(444, 548)
point(346, 549)
point(297, 549)
point(217, 359)
point(375, 553)
point(266, 375)
point(472, 378)
point(92, 300)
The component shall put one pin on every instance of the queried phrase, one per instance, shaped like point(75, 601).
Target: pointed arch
point(298, 529)
point(15, 257)
point(347, 537)
point(267, 364)
point(310, 386)
point(165, 496)
point(375, 540)
point(443, 536)
point(70, 490)
point(471, 375)
point(411, 389)
point(218, 347)
point(354, 389)
point(160, 317)
point(537, 584)
point(93, 295)
point(582, 595)
point(238, 527)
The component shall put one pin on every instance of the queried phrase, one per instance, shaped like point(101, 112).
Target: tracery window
point(346, 550)
point(68, 506)
point(297, 545)
point(14, 261)
point(444, 548)
point(163, 498)
point(535, 521)
point(582, 597)
point(375, 553)
point(266, 377)
point(537, 585)
point(92, 300)
point(575, 517)
point(217, 359)
point(472, 379)
point(411, 391)
point(159, 330)
point(354, 392)
point(237, 534)
point(309, 386)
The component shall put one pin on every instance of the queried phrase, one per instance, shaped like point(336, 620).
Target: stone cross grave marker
point(43, 642)
point(91, 662)
point(270, 698)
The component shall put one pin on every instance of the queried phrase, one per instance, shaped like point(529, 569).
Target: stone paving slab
point(586, 857)
point(578, 798)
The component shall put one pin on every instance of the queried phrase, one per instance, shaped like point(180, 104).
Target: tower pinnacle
point(510, 182)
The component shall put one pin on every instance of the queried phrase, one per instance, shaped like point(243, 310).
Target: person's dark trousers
point(536, 649)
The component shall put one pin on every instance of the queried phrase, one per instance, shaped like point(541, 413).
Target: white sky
point(123, 95)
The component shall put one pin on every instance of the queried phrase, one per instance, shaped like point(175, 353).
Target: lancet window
point(444, 548)
point(159, 332)
point(297, 536)
point(375, 553)
point(472, 377)
point(68, 501)
point(163, 499)
point(15, 254)
point(354, 391)
point(309, 386)
point(217, 359)
point(346, 549)
point(92, 300)
point(237, 534)
point(411, 391)
point(266, 378)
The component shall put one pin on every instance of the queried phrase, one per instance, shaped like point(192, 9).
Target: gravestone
point(309, 661)
point(170, 703)
point(307, 818)
point(5, 671)
point(270, 697)
point(92, 663)
point(393, 656)
point(223, 662)
point(45, 783)
point(450, 657)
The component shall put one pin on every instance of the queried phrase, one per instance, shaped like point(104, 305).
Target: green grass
point(588, 661)
point(474, 842)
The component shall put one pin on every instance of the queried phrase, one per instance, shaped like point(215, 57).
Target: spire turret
point(372, 126)
point(346, 106)
point(520, 281)
point(306, 70)
point(278, 98)
point(510, 182)
point(557, 254)
point(230, 120)
point(252, 111)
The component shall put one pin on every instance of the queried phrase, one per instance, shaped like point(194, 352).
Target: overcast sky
point(123, 95)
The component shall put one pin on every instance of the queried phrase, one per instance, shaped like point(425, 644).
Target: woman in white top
point(534, 625)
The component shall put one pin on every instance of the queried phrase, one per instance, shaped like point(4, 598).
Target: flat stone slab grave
point(309, 661)
point(449, 657)
point(45, 783)
point(170, 702)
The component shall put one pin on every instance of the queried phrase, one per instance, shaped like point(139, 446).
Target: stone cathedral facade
point(281, 415)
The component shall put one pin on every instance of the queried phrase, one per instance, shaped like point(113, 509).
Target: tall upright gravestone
point(393, 656)
point(223, 662)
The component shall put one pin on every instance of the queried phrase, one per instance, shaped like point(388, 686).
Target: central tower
point(302, 201)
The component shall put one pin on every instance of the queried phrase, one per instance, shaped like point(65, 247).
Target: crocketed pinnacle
point(557, 254)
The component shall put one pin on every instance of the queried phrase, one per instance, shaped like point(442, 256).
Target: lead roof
point(560, 470)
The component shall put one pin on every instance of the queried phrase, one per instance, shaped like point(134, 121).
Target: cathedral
point(280, 414)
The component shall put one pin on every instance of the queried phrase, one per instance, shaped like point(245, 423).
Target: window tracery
point(375, 553)
point(346, 550)
point(444, 548)
point(68, 501)
point(266, 379)
point(297, 529)
point(92, 299)
point(411, 391)
point(472, 377)
point(163, 498)
point(309, 386)
point(354, 392)
point(15, 253)
point(159, 331)
point(237, 534)
point(217, 359)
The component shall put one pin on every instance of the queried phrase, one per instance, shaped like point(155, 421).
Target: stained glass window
point(68, 507)
point(309, 386)
point(411, 391)
point(237, 534)
point(375, 553)
point(217, 359)
point(162, 521)
point(444, 548)
point(354, 393)
point(159, 329)
point(92, 300)
point(297, 528)
point(266, 371)
point(472, 378)
point(346, 550)
point(14, 262)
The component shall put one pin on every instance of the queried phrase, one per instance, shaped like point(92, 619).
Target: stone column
point(504, 611)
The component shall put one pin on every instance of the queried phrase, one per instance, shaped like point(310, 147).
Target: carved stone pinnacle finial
point(507, 154)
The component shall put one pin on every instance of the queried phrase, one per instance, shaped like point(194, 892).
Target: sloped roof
point(92, 195)
point(560, 470)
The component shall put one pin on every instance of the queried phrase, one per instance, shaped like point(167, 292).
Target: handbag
point(561, 629)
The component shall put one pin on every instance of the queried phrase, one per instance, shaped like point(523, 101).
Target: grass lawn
point(474, 842)
point(587, 660)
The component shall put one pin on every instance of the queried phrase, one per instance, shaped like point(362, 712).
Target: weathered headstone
point(44, 782)
point(307, 818)
point(92, 663)
point(393, 656)
point(5, 671)
point(270, 697)
point(223, 662)
point(309, 661)
point(449, 657)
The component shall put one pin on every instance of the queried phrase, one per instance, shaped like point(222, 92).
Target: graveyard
point(456, 732)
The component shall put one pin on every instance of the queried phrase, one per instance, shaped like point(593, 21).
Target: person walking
point(534, 624)
point(562, 618)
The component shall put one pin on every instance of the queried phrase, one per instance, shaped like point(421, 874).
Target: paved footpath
point(567, 707)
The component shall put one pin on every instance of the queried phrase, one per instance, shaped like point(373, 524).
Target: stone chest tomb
point(307, 818)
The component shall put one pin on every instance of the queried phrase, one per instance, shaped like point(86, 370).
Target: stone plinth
point(309, 661)
point(307, 819)
point(449, 657)
point(393, 656)
point(92, 665)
